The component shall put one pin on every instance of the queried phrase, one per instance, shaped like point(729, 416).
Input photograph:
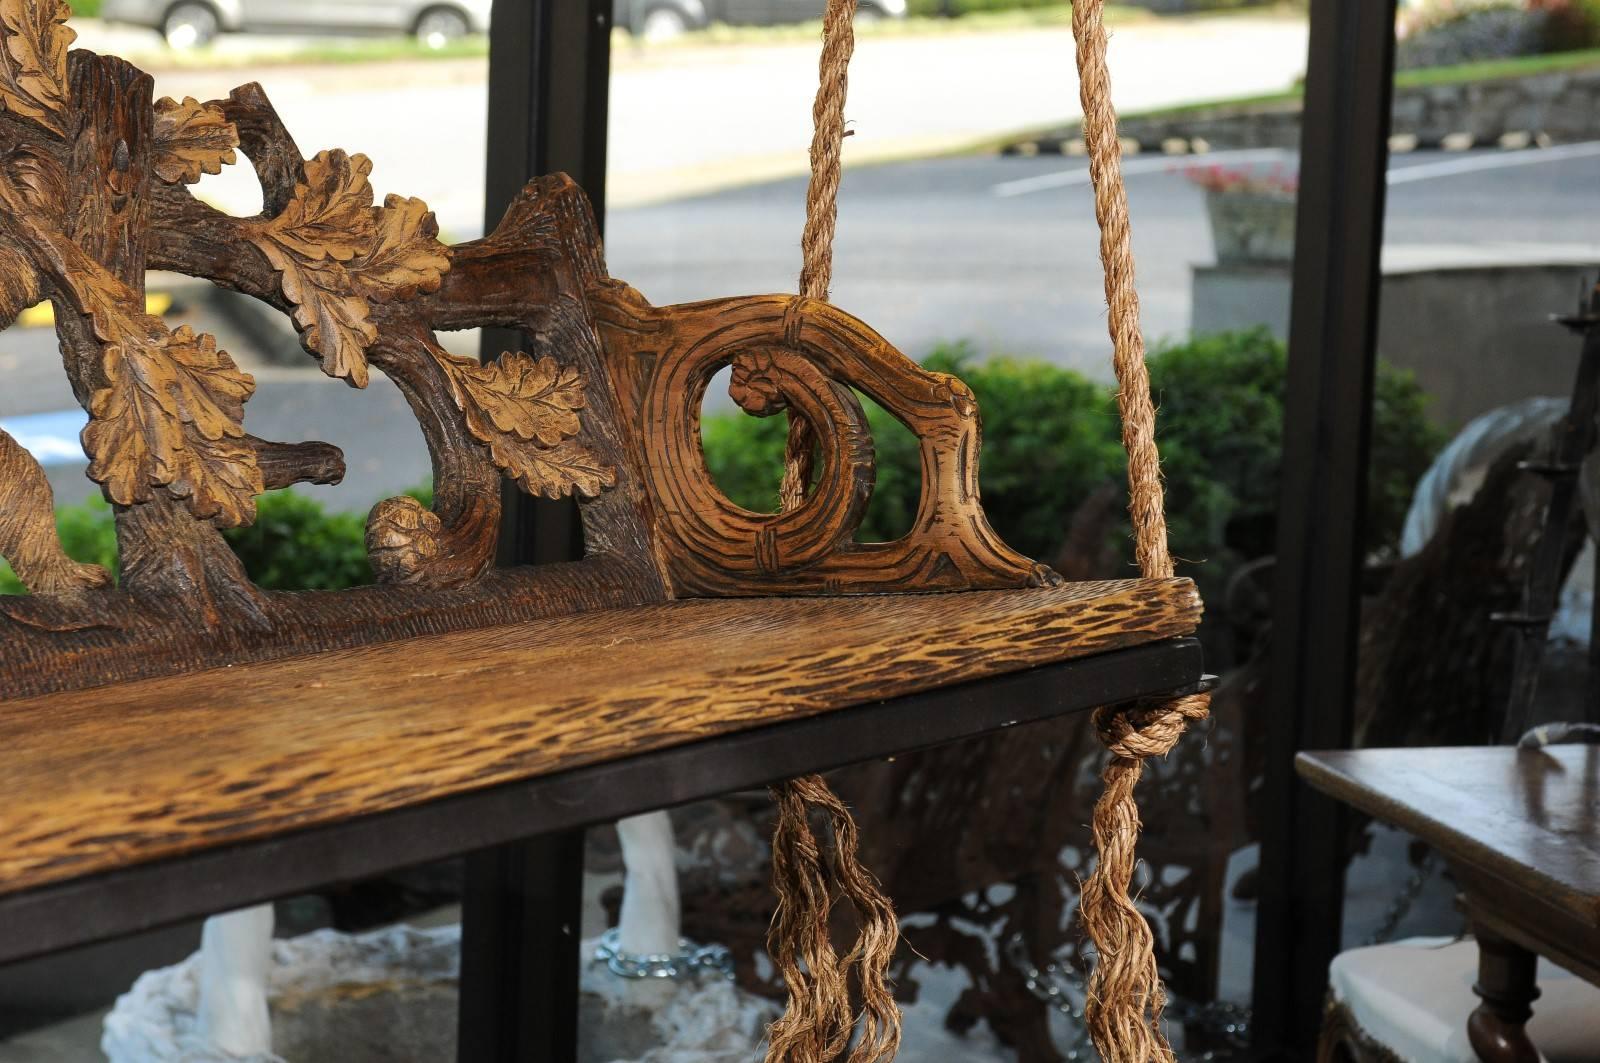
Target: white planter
point(1251, 227)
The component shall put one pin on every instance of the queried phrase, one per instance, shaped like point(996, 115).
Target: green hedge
point(1052, 441)
point(85, 8)
point(295, 544)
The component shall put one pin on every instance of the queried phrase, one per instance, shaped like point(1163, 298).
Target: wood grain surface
point(143, 770)
point(1528, 817)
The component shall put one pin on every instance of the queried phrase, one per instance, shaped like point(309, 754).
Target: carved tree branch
point(267, 142)
point(28, 529)
point(284, 464)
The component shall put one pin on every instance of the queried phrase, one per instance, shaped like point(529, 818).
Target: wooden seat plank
point(119, 775)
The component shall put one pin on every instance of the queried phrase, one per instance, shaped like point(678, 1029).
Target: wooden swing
point(182, 714)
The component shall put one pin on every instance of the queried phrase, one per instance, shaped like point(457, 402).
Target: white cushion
point(1414, 996)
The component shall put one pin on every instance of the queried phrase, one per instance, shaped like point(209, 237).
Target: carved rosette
point(807, 357)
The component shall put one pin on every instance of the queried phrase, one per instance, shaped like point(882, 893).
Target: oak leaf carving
point(552, 472)
point(171, 415)
point(192, 138)
point(330, 213)
point(28, 537)
point(532, 399)
point(406, 256)
point(335, 252)
point(32, 184)
point(34, 39)
point(334, 318)
point(525, 410)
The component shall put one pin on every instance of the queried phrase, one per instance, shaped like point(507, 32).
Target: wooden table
point(1521, 831)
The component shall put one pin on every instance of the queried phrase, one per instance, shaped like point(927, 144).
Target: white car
point(190, 23)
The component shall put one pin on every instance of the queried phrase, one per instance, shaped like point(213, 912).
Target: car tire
point(440, 26)
point(190, 24)
point(663, 24)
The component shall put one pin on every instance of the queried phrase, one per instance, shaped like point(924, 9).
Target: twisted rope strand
point(817, 1023)
point(1125, 995)
point(822, 212)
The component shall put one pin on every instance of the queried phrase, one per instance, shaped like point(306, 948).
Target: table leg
point(1507, 984)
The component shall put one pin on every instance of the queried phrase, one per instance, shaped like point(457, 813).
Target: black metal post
point(1327, 414)
point(549, 81)
point(519, 954)
point(549, 89)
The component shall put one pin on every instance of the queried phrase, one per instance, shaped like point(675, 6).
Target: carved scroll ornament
point(603, 404)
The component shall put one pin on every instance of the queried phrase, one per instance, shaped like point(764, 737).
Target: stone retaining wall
point(1504, 349)
point(1515, 111)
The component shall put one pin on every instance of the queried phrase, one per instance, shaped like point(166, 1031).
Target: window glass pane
point(341, 75)
point(967, 237)
point(1488, 239)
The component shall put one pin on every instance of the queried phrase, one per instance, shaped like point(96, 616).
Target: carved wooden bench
point(182, 721)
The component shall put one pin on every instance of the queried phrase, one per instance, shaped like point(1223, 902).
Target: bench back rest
point(602, 404)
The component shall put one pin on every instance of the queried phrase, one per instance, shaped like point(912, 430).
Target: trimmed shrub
point(295, 544)
point(1569, 24)
point(1053, 439)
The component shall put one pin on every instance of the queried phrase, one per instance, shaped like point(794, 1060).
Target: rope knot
point(1139, 729)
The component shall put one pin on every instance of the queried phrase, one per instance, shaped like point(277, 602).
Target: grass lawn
point(1555, 62)
point(1500, 68)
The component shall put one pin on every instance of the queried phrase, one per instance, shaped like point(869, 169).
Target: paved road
point(1000, 251)
point(686, 118)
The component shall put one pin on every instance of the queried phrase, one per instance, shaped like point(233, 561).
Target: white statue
point(649, 924)
point(235, 960)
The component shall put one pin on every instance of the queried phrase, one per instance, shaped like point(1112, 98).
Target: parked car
point(660, 19)
point(190, 23)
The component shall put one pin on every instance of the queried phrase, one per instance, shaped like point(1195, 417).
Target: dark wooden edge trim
point(148, 896)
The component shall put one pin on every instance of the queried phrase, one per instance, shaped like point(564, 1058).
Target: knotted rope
point(819, 1020)
point(1125, 996)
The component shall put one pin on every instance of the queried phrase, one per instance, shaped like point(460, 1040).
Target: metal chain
point(690, 959)
point(1063, 989)
point(1400, 907)
point(1059, 988)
